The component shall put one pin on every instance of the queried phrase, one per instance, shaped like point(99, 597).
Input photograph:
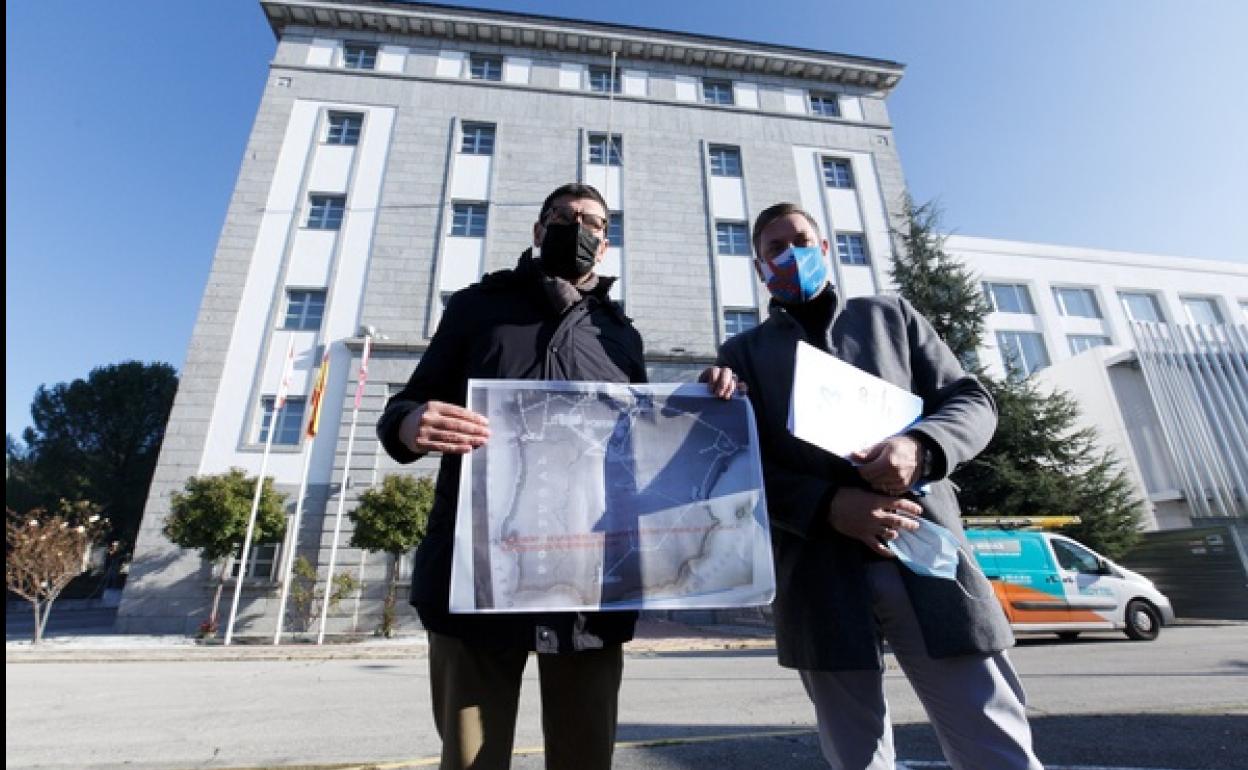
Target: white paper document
point(838, 407)
point(605, 496)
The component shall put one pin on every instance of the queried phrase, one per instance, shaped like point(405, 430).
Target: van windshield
point(1076, 558)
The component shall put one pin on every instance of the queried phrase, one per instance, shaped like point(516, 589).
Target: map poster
point(606, 496)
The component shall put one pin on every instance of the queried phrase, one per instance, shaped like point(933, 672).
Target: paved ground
point(691, 700)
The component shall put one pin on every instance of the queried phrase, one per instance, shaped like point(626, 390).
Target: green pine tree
point(1038, 462)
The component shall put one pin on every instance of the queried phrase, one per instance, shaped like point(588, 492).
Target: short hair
point(771, 214)
point(572, 190)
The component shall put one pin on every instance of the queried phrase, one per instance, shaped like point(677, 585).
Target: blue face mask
point(929, 550)
point(796, 275)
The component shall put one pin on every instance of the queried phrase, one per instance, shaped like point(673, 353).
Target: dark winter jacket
point(514, 324)
point(823, 603)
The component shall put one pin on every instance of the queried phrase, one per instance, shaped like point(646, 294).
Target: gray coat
point(823, 604)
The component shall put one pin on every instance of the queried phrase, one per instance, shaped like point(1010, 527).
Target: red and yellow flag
point(318, 395)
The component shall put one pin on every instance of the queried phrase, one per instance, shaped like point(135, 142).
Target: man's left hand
point(891, 466)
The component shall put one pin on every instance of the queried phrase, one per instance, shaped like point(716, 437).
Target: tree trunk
point(34, 605)
point(216, 596)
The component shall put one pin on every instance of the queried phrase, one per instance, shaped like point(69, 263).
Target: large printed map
point(606, 496)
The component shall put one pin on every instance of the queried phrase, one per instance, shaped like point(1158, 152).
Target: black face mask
point(569, 251)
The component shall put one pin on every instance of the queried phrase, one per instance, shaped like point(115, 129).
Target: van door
point(1090, 591)
point(1033, 593)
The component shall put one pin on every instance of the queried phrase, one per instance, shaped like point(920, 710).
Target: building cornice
point(545, 33)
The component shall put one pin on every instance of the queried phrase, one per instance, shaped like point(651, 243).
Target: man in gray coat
point(840, 590)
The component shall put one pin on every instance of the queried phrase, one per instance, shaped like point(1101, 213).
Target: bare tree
point(46, 552)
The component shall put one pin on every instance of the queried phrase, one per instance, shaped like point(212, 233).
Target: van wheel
point(1143, 621)
point(1068, 636)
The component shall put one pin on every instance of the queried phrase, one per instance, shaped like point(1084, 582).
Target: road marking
point(924, 764)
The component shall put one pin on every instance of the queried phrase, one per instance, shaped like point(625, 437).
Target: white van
point(1048, 582)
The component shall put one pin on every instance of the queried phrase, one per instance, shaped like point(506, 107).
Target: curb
point(415, 648)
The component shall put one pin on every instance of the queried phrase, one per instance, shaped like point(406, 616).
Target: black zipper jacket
point(515, 324)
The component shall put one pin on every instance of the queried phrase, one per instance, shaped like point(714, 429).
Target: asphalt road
point(1179, 703)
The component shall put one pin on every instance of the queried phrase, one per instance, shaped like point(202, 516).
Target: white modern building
point(401, 150)
point(1154, 348)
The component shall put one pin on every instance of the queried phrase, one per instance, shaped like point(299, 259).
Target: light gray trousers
point(975, 702)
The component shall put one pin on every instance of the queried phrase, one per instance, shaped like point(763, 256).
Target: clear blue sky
point(1119, 124)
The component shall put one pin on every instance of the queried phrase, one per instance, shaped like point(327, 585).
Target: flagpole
point(288, 563)
point(279, 403)
point(342, 488)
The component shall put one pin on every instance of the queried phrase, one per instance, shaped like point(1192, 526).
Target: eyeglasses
point(566, 215)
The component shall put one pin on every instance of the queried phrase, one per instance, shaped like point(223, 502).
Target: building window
point(1202, 310)
point(325, 212)
point(827, 105)
point(1082, 342)
point(344, 128)
point(717, 92)
point(615, 228)
point(304, 309)
point(598, 150)
point(260, 561)
point(478, 139)
point(289, 422)
point(359, 56)
point(468, 220)
point(1023, 353)
point(1141, 306)
point(725, 161)
point(732, 238)
point(1076, 302)
point(852, 249)
point(601, 81)
point(1009, 298)
point(737, 320)
point(486, 67)
point(837, 173)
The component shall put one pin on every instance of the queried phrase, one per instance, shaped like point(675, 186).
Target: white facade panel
point(874, 217)
point(331, 169)
point(275, 361)
point(471, 177)
point(728, 198)
point(392, 58)
point(736, 282)
point(571, 75)
point(745, 94)
point(795, 101)
point(251, 326)
point(607, 180)
point(322, 52)
point(313, 251)
point(686, 89)
point(462, 260)
point(451, 64)
point(843, 210)
point(634, 83)
point(851, 107)
point(856, 280)
point(809, 185)
point(516, 70)
point(311, 257)
point(613, 264)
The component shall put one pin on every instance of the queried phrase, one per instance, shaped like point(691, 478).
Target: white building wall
point(286, 254)
point(1108, 273)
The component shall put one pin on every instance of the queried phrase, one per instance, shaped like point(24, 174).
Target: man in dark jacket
point(549, 318)
point(840, 591)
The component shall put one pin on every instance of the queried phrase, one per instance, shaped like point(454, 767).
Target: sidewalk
point(653, 637)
